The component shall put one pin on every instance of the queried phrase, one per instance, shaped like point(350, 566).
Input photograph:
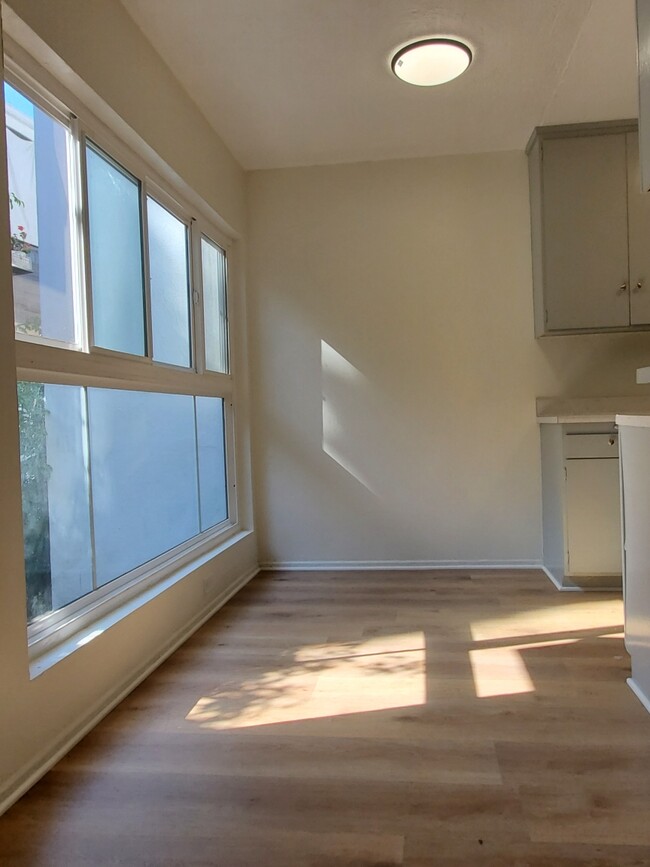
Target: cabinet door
point(643, 56)
point(639, 229)
point(593, 517)
point(585, 232)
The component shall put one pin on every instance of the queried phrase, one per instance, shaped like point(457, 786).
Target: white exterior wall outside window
point(126, 397)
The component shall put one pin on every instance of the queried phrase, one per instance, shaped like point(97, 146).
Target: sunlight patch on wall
point(322, 681)
point(342, 391)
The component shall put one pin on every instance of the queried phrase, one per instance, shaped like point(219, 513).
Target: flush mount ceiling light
point(431, 61)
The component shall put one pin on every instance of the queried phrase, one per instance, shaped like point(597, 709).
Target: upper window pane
point(213, 260)
point(115, 255)
point(39, 198)
point(169, 275)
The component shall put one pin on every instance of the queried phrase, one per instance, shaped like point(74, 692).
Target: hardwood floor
point(413, 718)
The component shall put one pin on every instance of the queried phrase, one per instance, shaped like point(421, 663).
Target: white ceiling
point(302, 82)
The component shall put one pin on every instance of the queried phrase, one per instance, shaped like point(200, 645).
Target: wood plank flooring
point(366, 720)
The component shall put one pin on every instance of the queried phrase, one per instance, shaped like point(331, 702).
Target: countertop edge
point(633, 420)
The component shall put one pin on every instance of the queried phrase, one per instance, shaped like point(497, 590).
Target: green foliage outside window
point(35, 473)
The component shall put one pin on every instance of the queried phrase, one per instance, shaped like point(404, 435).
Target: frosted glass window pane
point(169, 272)
point(212, 460)
point(56, 511)
point(115, 256)
point(144, 474)
point(213, 261)
point(41, 257)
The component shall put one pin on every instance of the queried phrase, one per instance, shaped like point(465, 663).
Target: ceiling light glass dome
point(429, 62)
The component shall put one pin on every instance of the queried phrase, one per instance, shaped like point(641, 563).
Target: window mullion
point(146, 270)
point(198, 469)
point(89, 474)
point(84, 227)
point(48, 364)
point(230, 458)
point(197, 297)
point(79, 234)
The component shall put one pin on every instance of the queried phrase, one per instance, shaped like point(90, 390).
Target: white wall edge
point(639, 693)
point(395, 565)
point(24, 779)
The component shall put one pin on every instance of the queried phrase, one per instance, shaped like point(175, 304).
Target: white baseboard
point(639, 693)
point(557, 584)
point(574, 588)
point(24, 779)
point(395, 565)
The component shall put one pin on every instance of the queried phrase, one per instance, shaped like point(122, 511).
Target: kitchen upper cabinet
point(639, 237)
point(590, 225)
point(643, 56)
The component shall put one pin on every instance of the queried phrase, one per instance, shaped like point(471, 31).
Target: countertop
point(633, 420)
point(576, 410)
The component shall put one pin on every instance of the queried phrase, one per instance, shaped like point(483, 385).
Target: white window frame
point(83, 364)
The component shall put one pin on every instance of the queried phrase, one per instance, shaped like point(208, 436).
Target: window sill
point(43, 659)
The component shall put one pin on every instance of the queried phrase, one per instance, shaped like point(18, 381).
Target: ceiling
point(303, 82)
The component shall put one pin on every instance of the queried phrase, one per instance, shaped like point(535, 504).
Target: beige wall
point(394, 367)
point(38, 716)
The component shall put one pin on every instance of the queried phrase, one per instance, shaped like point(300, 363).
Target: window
point(112, 479)
point(116, 272)
point(213, 262)
point(125, 394)
point(39, 149)
point(169, 276)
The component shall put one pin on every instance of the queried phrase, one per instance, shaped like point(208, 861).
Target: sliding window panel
point(144, 476)
point(115, 227)
point(215, 312)
point(169, 279)
point(38, 159)
point(212, 460)
point(55, 492)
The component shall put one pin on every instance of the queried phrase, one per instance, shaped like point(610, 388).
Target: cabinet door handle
point(621, 289)
point(639, 286)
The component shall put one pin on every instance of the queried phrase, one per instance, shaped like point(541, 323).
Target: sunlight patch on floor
point(502, 670)
point(596, 614)
point(323, 680)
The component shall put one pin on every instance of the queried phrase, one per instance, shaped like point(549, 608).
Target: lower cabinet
point(581, 505)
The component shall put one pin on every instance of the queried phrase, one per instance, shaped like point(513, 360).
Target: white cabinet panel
point(585, 232)
point(581, 510)
point(639, 234)
point(590, 226)
point(593, 517)
point(590, 445)
point(643, 34)
point(635, 467)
